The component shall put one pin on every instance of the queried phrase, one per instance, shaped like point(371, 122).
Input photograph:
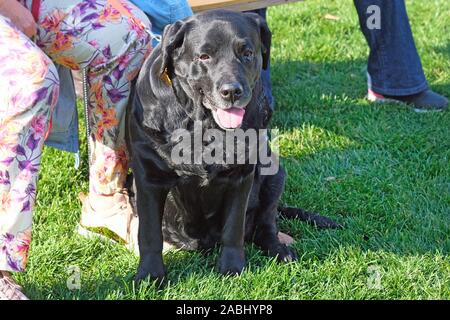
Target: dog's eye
point(248, 54)
point(204, 57)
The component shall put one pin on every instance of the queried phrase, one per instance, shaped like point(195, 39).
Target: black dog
point(207, 71)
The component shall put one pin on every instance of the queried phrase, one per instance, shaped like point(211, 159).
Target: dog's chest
point(209, 153)
point(194, 211)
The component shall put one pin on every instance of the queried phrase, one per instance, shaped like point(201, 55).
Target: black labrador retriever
point(206, 72)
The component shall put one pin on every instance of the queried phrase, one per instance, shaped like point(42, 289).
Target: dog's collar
point(165, 78)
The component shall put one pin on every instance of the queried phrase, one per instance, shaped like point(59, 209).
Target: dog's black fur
point(199, 206)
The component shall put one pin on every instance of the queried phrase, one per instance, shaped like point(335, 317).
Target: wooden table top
point(238, 5)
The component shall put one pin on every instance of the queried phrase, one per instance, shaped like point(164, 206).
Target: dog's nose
point(231, 91)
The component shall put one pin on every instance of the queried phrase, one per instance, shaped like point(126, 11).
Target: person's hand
point(20, 16)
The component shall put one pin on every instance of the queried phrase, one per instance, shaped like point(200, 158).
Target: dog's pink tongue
point(230, 118)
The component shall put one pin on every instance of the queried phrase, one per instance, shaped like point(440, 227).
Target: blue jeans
point(163, 12)
point(394, 66)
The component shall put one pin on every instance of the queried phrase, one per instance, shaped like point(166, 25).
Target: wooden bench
point(237, 5)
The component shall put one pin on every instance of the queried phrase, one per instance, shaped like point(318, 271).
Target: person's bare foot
point(285, 238)
point(9, 289)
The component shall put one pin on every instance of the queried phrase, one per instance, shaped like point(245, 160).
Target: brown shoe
point(111, 218)
point(9, 289)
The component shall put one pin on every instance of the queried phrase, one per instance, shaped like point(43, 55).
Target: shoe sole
point(374, 99)
point(89, 234)
point(85, 232)
point(427, 110)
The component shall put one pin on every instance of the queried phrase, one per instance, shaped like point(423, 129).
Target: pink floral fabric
point(91, 34)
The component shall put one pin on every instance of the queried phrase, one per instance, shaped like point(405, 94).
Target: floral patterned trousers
point(94, 35)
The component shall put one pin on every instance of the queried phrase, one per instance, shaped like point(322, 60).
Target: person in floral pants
point(107, 39)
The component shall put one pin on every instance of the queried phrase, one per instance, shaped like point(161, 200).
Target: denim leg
point(265, 74)
point(163, 12)
point(394, 66)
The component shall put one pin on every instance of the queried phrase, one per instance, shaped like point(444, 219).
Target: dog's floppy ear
point(266, 37)
point(173, 38)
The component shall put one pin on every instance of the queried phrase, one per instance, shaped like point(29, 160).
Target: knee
point(49, 83)
point(145, 41)
point(35, 81)
point(142, 17)
point(140, 21)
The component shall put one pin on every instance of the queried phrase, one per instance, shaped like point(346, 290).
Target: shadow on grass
point(374, 189)
point(113, 286)
point(301, 82)
point(443, 49)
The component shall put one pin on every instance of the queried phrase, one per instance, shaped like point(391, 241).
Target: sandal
point(9, 289)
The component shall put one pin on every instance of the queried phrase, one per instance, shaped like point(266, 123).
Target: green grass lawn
point(382, 171)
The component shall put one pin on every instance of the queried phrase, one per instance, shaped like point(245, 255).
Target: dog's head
point(217, 57)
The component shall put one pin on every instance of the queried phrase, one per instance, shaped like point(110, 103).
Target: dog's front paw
point(151, 266)
point(231, 261)
point(283, 253)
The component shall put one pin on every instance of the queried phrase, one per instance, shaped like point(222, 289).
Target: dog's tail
point(314, 219)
